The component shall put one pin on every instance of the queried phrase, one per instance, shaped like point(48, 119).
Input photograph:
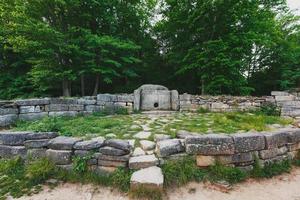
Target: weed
point(271, 169)
point(230, 174)
point(146, 193)
point(203, 110)
point(269, 109)
point(121, 179)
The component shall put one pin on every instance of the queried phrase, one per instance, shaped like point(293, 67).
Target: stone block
point(28, 109)
point(182, 134)
point(63, 114)
point(293, 147)
point(32, 102)
point(63, 101)
point(93, 108)
point(279, 93)
point(149, 178)
point(210, 144)
point(124, 158)
point(57, 107)
point(76, 107)
point(107, 97)
point(12, 138)
point(161, 137)
point(119, 144)
point(125, 98)
point(246, 142)
point(36, 153)
point(217, 106)
point(8, 152)
point(112, 151)
point(174, 100)
point(7, 120)
point(32, 116)
point(138, 152)
point(140, 162)
point(86, 101)
point(276, 139)
point(63, 143)
point(168, 147)
point(137, 100)
point(59, 157)
point(34, 144)
point(109, 163)
point(293, 135)
point(147, 145)
point(236, 158)
point(41, 135)
point(89, 145)
point(8, 111)
point(205, 161)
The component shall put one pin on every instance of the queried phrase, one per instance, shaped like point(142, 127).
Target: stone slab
point(35, 144)
point(246, 142)
point(8, 152)
point(12, 138)
point(7, 120)
point(41, 135)
point(89, 145)
point(112, 151)
point(63, 143)
point(140, 162)
point(32, 102)
point(59, 157)
point(119, 144)
point(151, 178)
point(166, 148)
point(32, 116)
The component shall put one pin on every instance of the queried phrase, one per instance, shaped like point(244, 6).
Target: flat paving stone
point(147, 145)
point(151, 177)
point(140, 162)
point(142, 135)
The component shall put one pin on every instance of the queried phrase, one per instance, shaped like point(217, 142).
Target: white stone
point(147, 145)
point(149, 177)
point(160, 137)
point(110, 135)
point(138, 152)
point(142, 135)
point(131, 143)
point(140, 162)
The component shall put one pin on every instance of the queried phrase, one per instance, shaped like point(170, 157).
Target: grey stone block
point(276, 139)
point(63, 101)
point(41, 135)
point(32, 116)
point(246, 142)
point(119, 144)
point(168, 147)
point(86, 101)
point(28, 109)
point(32, 102)
point(57, 107)
point(149, 178)
point(59, 157)
point(211, 144)
point(279, 93)
point(108, 163)
point(7, 120)
point(125, 98)
point(8, 152)
point(272, 153)
point(112, 151)
point(294, 136)
point(93, 108)
point(63, 143)
point(88, 145)
point(63, 114)
point(107, 97)
point(34, 144)
point(124, 158)
point(8, 111)
point(76, 107)
point(236, 158)
point(36, 153)
point(12, 138)
point(140, 162)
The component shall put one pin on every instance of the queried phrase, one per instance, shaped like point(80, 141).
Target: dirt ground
point(285, 187)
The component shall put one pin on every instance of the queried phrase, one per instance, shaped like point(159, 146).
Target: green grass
point(219, 123)
point(99, 124)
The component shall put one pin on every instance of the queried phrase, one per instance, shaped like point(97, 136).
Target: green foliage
point(80, 164)
point(121, 179)
point(229, 174)
point(271, 169)
point(270, 110)
point(203, 110)
point(146, 193)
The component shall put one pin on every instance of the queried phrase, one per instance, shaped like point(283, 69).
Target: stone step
point(140, 162)
point(148, 178)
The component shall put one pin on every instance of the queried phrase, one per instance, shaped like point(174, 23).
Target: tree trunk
point(66, 88)
point(82, 85)
point(96, 88)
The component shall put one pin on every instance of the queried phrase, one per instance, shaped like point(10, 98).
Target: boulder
point(41, 135)
point(112, 151)
point(147, 145)
point(149, 178)
point(143, 162)
point(246, 142)
point(210, 144)
point(59, 157)
point(63, 143)
point(88, 145)
point(35, 144)
point(8, 152)
point(168, 147)
point(32, 102)
point(7, 120)
point(13, 138)
point(119, 144)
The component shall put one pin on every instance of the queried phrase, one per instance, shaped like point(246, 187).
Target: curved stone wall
point(105, 155)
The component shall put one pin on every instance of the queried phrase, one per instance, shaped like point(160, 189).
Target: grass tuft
point(146, 193)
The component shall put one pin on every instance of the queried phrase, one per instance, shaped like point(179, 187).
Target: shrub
point(39, 170)
point(230, 174)
point(270, 170)
point(270, 109)
point(121, 179)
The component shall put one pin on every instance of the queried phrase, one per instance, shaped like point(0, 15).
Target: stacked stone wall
point(33, 109)
point(105, 155)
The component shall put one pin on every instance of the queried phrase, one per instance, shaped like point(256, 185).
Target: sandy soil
point(285, 187)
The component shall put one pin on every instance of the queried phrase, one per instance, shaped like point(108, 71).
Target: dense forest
point(85, 47)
